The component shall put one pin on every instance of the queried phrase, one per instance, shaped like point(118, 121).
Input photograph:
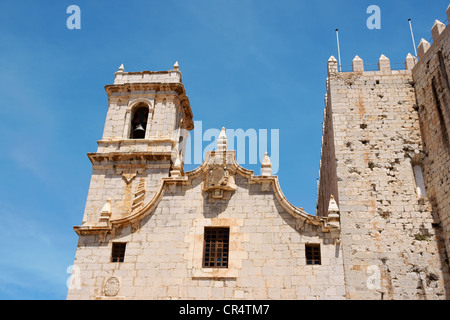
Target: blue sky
point(245, 64)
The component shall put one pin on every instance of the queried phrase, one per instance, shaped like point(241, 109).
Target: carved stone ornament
point(111, 287)
point(219, 176)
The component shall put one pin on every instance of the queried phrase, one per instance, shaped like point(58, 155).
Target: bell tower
point(145, 133)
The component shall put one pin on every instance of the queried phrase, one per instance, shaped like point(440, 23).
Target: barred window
point(118, 252)
point(312, 252)
point(215, 250)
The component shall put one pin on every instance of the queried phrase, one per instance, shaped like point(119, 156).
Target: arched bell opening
point(139, 121)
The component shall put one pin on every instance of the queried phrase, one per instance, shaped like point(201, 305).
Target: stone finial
point(222, 141)
point(120, 71)
point(384, 64)
point(423, 47)
point(333, 212)
point(437, 29)
point(358, 64)
point(105, 214)
point(175, 66)
point(410, 61)
point(332, 206)
point(332, 65)
point(176, 169)
point(266, 166)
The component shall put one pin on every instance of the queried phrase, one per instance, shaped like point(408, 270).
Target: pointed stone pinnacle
point(175, 66)
point(437, 29)
point(333, 207)
point(333, 213)
point(266, 166)
point(107, 206)
point(176, 169)
point(332, 65)
point(410, 61)
point(222, 141)
point(358, 64)
point(423, 47)
point(384, 64)
point(121, 68)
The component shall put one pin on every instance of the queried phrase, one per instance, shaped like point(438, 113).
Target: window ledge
point(214, 273)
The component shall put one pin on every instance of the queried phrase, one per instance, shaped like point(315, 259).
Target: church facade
point(150, 230)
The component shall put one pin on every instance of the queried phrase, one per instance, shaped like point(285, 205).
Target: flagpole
point(339, 50)
point(412, 36)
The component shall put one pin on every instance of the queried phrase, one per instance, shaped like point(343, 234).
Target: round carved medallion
point(111, 287)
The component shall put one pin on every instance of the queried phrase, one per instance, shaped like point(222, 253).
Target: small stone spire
point(222, 141)
point(333, 213)
point(175, 66)
point(410, 62)
point(358, 64)
point(176, 169)
point(120, 71)
point(423, 47)
point(384, 64)
point(105, 214)
point(437, 29)
point(332, 65)
point(266, 166)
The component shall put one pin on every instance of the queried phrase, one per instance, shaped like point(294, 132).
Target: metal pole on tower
point(339, 50)
point(412, 36)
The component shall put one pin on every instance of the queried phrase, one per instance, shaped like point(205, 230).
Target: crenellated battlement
point(437, 33)
point(384, 157)
point(384, 66)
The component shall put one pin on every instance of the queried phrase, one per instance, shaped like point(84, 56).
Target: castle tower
point(372, 162)
point(145, 133)
point(432, 86)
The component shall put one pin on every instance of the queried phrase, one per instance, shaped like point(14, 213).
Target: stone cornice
point(96, 158)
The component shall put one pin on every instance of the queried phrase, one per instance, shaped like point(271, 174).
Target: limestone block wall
point(389, 234)
point(431, 77)
point(163, 258)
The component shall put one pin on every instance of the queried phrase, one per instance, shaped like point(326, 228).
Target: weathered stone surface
point(379, 128)
point(383, 206)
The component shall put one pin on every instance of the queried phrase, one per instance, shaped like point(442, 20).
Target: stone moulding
point(170, 182)
point(96, 158)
